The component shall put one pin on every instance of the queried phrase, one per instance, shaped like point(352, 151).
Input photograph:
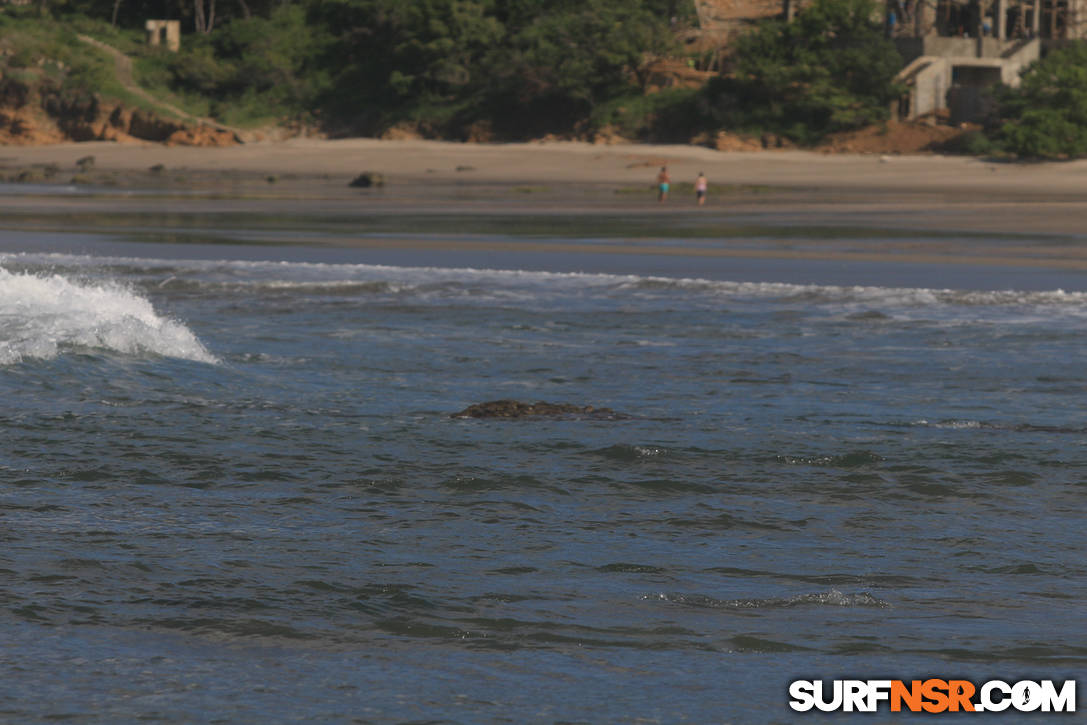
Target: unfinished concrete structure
point(172, 30)
point(954, 50)
point(949, 77)
point(722, 17)
point(1000, 19)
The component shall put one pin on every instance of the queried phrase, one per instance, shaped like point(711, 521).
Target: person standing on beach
point(663, 180)
point(700, 186)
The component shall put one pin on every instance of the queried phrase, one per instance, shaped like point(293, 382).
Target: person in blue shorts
point(663, 180)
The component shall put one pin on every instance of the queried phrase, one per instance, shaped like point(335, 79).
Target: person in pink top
point(700, 186)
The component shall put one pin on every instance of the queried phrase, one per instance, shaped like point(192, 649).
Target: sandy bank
point(572, 162)
point(923, 192)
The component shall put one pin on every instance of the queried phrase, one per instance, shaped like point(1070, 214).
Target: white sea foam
point(41, 316)
point(832, 598)
point(512, 284)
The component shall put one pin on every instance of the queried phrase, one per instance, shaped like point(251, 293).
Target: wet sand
point(926, 210)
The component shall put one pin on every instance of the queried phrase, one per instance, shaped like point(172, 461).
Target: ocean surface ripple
point(234, 488)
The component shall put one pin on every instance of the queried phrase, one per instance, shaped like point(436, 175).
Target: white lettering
point(1063, 701)
point(835, 702)
point(854, 695)
point(1026, 696)
point(802, 692)
point(997, 705)
point(993, 696)
point(878, 690)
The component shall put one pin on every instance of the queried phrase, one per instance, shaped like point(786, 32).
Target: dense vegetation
point(829, 70)
point(495, 68)
point(508, 69)
point(521, 67)
point(1046, 116)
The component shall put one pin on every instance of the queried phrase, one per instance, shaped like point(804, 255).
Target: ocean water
point(231, 489)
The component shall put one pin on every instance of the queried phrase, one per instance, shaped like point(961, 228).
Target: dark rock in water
point(517, 409)
point(367, 179)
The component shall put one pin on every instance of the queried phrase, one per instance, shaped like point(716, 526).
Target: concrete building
point(1000, 19)
point(948, 77)
point(953, 50)
point(156, 29)
point(956, 50)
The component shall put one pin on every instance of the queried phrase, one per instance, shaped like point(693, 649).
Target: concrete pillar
point(1036, 20)
point(1000, 15)
point(1074, 20)
point(153, 34)
point(171, 28)
point(173, 35)
point(924, 17)
point(700, 10)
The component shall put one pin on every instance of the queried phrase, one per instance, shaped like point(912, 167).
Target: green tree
point(829, 70)
point(1046, 116)
point(273, 56)
point(524, 66)
point(248, 70)
point(391, 55)
point(560, 62)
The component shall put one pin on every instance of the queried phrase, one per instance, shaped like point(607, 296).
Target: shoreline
point(553, 197)
point(430, 163)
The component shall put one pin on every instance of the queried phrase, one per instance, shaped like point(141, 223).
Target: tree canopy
point(1046, 116)
point(511, 62)
point(831, 69)
point(515, 67)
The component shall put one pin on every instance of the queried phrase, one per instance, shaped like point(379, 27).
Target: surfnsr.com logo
point(932, 695)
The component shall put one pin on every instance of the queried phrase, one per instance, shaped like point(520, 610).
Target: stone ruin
point(172, 30)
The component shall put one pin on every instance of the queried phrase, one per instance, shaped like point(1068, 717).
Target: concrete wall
point(934, 81)
point(723, 14)
point(954, 47)
point(937, 66)
point(156, 29)
point(720, 21)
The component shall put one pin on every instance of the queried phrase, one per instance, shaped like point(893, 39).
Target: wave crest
point(41, 316)
point(832, 598)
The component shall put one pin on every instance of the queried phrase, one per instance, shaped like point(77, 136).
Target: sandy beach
point(436, 162)
point(1036, 210)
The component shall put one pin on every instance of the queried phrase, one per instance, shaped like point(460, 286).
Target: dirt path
point(127, 78)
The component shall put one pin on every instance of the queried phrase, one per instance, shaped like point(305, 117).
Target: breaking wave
point(43, 316)
point(858, 303)
point(832, 598)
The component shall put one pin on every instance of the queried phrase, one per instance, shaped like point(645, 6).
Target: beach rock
point(13, 94)
point(202, 136)
point(725, 141)
point(402, 132)
point(367, 179)
point(69, 106)
point(26, 176)
point(608, 136)
point(480, 132)
point(776, 141)
point(150, 127)
point(541, 409)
